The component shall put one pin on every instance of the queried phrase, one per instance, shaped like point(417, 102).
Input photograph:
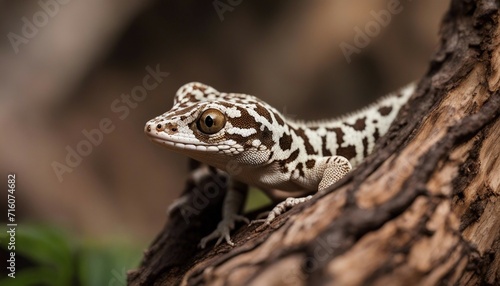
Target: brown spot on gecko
point(300, 167)
point(365, 147)
point(309, 148)
point(290, 159)
point(293, 156)
point(285, 142)
point(385, 110)
point(264, 112)
point(244, 121)
point(185, 99)
point(339, 135)
point(310, 163)
point(325, 151)
point(271, 154)
point(359, 125)
point(183, 111)
point(200, 88)
point(279, 119)
point(376, 135)
point(266, 137)
point(349, 152)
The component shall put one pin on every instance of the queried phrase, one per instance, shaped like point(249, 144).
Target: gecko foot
point(223, 230)
point(280, 209)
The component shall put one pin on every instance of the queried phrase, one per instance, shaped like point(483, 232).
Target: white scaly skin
point(225, 130)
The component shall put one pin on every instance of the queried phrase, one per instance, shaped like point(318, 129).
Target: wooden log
point(423, 209)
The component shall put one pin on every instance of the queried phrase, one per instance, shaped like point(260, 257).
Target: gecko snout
point(159, 127)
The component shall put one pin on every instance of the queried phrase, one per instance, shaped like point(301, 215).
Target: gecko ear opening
point(211, 121)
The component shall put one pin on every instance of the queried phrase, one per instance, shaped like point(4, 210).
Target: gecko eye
point(211, 121)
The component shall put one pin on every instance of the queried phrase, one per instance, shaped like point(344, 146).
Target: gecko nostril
point(148, 128)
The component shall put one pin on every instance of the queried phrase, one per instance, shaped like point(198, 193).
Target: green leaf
point(58, 259)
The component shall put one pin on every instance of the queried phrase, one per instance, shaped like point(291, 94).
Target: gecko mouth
point(179, 142)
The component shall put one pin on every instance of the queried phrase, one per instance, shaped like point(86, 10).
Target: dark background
point(66, 77)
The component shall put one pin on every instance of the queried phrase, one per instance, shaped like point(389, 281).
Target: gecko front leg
point(333, 169)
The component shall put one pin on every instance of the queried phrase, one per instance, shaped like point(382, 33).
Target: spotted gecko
point(272, 152)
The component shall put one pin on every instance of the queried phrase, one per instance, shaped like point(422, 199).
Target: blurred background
point(69, 67)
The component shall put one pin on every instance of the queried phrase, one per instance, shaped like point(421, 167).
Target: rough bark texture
point(423, 209)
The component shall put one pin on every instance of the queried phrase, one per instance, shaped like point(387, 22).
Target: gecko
point(272, 152)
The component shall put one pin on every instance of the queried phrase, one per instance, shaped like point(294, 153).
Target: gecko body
point(233, 131)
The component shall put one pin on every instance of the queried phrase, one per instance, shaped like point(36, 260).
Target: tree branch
point(422, 209)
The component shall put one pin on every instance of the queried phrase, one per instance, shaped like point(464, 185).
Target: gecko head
point(214, 127)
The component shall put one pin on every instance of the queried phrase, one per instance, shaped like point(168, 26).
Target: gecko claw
point(256, 221)
point(261, 218)
point(223, 231)
point(263, 226)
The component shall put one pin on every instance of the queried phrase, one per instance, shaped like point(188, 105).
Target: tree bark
point(423, 209)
